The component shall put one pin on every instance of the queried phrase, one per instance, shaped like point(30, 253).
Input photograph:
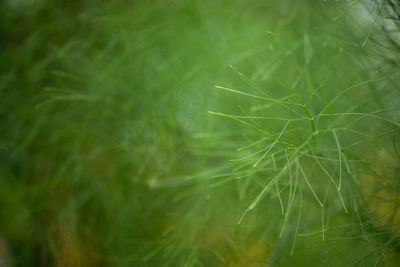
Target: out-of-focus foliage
point(108, 156)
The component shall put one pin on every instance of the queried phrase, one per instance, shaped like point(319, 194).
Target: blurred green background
point(109, 157)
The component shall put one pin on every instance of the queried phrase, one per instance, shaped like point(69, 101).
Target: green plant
point(108, 155)
point(313, 117)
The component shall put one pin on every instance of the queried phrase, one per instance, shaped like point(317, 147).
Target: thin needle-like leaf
point(309, 185)
point(272, 145)
point(340, 95)
point(298, 223)
point(340, 160)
